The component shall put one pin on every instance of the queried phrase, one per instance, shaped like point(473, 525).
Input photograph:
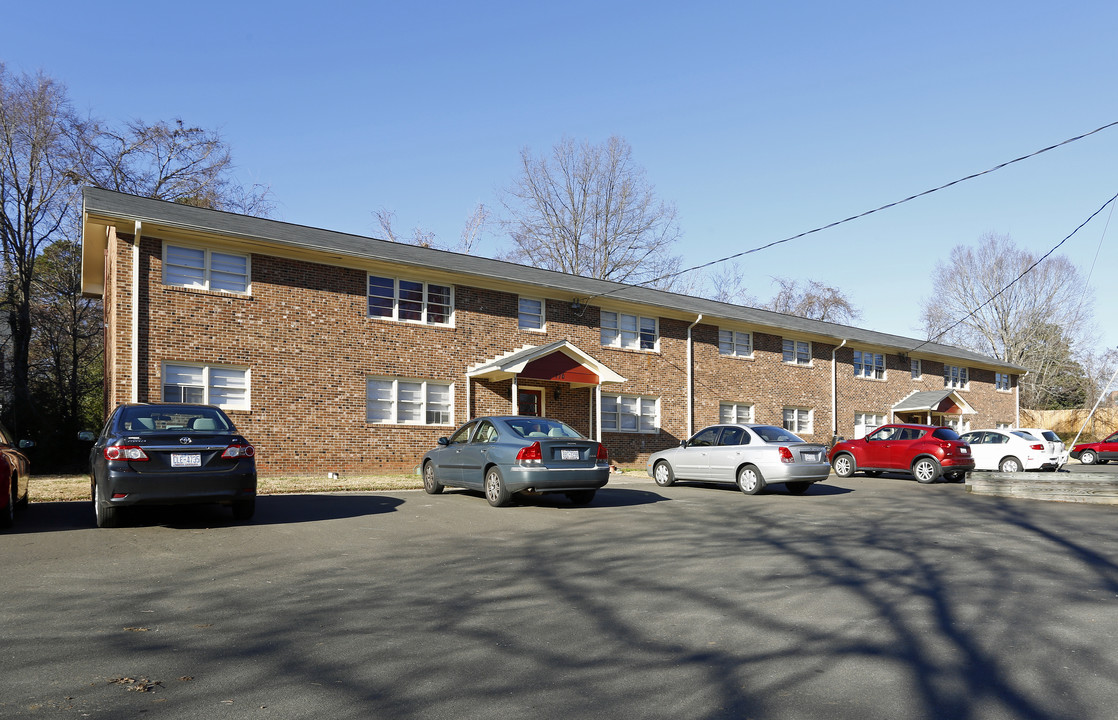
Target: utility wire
point(910, 198)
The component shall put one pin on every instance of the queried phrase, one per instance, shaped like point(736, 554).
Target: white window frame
point(957, 423)
point(872, 370)
point(646, 419)
point(803, 420)
point(522, 313)
point(614, 329)
point(1002, 426)
point(214, 384)
point(735, 343)
point(916, 368)
point(735, 412)
point(206, 282)
point(1002, 382)
point(394, 402)
point(799, 348)
point(425, 303)
point(867, 422)
point(956, 377)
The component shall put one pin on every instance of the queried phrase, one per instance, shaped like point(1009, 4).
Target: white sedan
point(1006, 450)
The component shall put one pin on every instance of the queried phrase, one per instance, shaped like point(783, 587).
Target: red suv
point(924, 451)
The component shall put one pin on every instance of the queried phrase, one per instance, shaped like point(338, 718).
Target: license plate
point(811, 457)
point(186, 460)
point(964, 451)
point(568, 454)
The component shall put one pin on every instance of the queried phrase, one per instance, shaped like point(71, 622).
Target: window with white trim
point(404, 401)
point(630, 413)
point(732, 342)
point(731, 412)
point(957, 423)
point(955, 377)
point(530, 315)
point(221, 385)
point(1002, 426)
point(205, 269)
point(798, 420)
point(629, 331)
point(915, 369)
point(869, 365)
point(1001, 381)
point(797, 352)
point(410, 300)
point(865, 423)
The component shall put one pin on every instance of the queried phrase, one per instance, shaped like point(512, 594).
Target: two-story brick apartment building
point(335, 352)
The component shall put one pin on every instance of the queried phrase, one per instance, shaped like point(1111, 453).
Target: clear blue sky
point(759, 120)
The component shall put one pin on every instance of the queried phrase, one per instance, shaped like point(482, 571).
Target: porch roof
point(515, 362)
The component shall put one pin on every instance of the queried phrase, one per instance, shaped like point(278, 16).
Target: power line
point(828, 226)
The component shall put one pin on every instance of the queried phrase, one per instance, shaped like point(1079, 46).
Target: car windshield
point(534, 427)
point(159, 418)
point(944, 433)
point(773, 434)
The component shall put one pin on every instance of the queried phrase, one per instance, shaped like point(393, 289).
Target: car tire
point(244, 509)
point(1010, 464)
point(662, 474)
point(797, 488)
point(8, 516)
point(105, 513)
point(495, 491)
point(750, 480)
point(926, 470)
point(1088, 457)
point(844, 465)
point(431, 484)
point(582, 497)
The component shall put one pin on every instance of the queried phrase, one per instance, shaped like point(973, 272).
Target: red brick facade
point(304, 336)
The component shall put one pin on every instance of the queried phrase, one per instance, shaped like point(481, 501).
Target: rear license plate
point(186, 460)
point(811, 457)
point(964, 451)
point(568, 454)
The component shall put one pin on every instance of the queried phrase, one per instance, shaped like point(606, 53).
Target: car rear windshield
point(174, 418)
point(531, 427)
point(945, 434)
point(773, 434)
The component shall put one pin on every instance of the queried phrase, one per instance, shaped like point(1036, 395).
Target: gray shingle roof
point(107, 203)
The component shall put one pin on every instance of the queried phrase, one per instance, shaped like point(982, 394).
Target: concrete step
point(1057, 486)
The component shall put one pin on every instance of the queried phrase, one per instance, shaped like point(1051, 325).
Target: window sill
point(635, 351)
point(211, 293)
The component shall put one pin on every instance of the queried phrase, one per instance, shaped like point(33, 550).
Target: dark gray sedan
point(502, 456)
point(752, 456)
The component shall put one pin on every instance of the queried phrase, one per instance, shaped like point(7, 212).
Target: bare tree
point(990, 298)
point(725, 283)
point(167, 161)
point(588, 210)
point(812, 299)
point(476, 222)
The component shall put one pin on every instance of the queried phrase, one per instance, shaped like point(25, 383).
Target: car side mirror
point(86, 436)
point(683, 443)
point(25, 444)
point(444, 441)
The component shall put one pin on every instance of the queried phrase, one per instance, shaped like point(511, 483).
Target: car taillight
point(533, 454)
point(125, 452)
point(236, 451)
point(603, 454)
point(1036, 447)
point(786, 455)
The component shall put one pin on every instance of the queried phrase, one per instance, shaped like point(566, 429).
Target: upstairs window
point(797, 352)
point(1001, 381)
point(410, 300)
point(205, 269)
point(955, 377)
point(530, 314)
point(869, 365)
point(915, 369)
point(732, 342)
point(631, 332)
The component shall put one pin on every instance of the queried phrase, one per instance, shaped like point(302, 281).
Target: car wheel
point(106, 514)
point(8, 516)
point(581, 497)
point(1088, 457)
point(797, 488)
point(431, 484)
point(244, 509)
point(750, 480)
point(1009, 465)
point(926, 470)
point(663, 474)
point(495, 491)
point(844, 465)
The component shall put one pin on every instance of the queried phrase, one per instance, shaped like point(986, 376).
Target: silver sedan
point(752, 456)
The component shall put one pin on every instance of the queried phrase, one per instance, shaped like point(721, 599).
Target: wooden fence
point(1066, 423)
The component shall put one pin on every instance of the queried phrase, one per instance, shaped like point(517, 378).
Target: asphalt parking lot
point(865, 598)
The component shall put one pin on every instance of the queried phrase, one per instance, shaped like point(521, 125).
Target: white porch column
point(597, 412)
point(515, 397)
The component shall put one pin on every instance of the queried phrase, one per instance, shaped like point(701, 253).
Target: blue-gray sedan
point(502, 456)
point(752, 456)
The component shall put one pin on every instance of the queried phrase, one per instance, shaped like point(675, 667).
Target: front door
point(530, 402)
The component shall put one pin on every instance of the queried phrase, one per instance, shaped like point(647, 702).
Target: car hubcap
point(748, 480)
point(843, 466)
point(661, 474)
point(924, 471)
point(1009, 466)
point(492, 487)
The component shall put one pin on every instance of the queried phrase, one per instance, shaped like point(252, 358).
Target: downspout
point(834, 390)
point(1017, 400)
point(691, 378)
point(135, 390)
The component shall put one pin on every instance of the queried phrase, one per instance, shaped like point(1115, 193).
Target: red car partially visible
point(1100, 452)
point(14, 476)
point(926, 452)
